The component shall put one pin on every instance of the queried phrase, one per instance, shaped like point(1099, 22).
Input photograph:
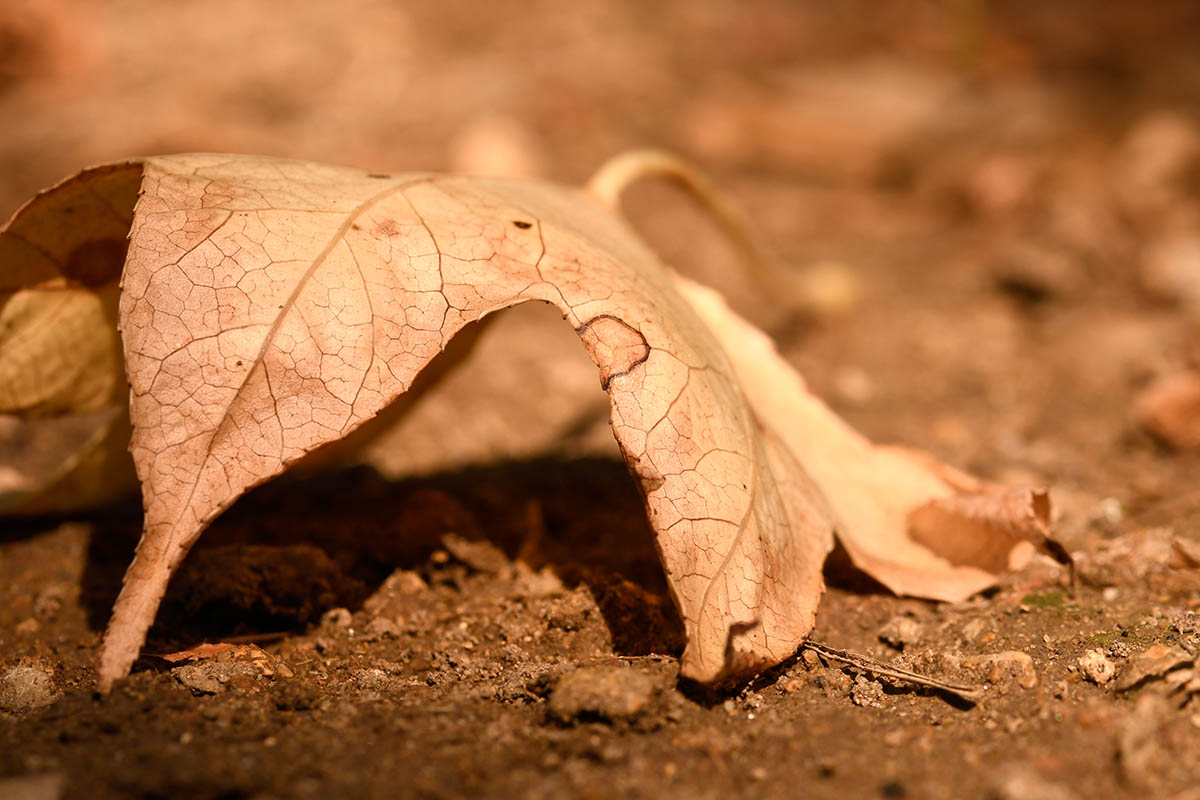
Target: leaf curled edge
point(63, 423)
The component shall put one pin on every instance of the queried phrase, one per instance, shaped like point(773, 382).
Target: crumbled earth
point(996, 209)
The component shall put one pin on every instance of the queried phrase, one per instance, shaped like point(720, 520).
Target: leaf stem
point(626, 169)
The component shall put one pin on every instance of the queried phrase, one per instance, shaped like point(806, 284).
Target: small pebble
point(1097, 667)
point(25, 688)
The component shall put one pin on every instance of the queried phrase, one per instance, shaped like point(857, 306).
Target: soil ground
point(1010, 188)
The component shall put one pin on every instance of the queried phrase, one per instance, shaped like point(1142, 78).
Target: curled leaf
point(64, 430)
point(271, 308)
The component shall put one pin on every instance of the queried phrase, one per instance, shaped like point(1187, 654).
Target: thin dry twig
point(972, 694)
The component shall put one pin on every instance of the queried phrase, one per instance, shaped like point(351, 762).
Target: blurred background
point(996, 205)
point(990, 211)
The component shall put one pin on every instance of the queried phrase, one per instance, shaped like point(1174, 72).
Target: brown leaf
point(205, 650)
point(63, 423)
point(271, 308)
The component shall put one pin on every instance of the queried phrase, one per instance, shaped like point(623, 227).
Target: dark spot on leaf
point(892, 789)
point(97, 262)
point(522, 224)
point(355, 227)
point(379, 175)
point(239, 363)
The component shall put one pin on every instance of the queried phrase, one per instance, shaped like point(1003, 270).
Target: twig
point(972, 694)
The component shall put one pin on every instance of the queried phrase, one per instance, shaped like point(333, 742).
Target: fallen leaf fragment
point(271, 308)
point(200, 651)
point(64, 429)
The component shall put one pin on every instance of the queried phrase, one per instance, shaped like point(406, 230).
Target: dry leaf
point(272, 307)
point(205, 650)
point(63, 423)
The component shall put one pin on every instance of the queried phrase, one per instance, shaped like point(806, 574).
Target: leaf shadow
point(298, 546)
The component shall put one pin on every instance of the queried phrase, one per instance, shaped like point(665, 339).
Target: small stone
point(1097, 667)
point(25, 688)
point(901, 631)
point(867, 693)
point(604, 692)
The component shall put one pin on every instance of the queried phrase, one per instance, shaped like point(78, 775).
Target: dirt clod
point(213, 677)
point(605, 692)
point(867, 692)
point(1001, 667)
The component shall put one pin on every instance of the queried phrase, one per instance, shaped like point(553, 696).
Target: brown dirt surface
point(1013, 188)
